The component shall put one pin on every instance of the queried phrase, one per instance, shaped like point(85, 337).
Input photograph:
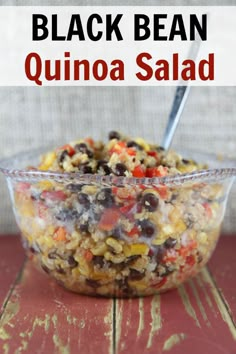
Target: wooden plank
point(11, 260)
point(223, 268)
point(42, 317)
point(192, 319)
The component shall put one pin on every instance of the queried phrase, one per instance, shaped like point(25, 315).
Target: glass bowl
point(119, 236)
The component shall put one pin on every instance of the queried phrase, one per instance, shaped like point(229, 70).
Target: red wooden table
point(37, 316)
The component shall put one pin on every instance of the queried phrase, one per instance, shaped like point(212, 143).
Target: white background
point(16, 43)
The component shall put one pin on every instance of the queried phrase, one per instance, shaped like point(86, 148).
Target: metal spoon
point(181, 95)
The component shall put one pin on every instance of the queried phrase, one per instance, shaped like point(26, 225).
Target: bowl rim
point(213, 174)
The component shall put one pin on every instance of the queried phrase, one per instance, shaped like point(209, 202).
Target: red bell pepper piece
point(60, 234)
point(126, 208)
point(162, 190)
point(54, 195)
point(109, 219)
point(184, 250)
point(130, 151)
point(138, 172)
point(160, 284)
point(88, 255)
point(156, 171)
point(134, 231)
point(190, 260)
point(41, 210)
point(124, 193)
point(208, 209)
point(68, 148)
point(22, 187)
point(90, 141)
point(152, 153)
point(118, 148)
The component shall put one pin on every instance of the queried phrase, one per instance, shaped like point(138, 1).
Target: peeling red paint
point(39, 314)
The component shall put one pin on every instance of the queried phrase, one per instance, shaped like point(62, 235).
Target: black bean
point(83, 199)
point(45, 268)
point(52, 255)
point(123, 286)
point(35, 195)
point(96, 216)
point(34, 249)
point(117, 266)
point(114, 135)
point(160, 148)
point(83, 228)
point(186, 162)
point(85, 169)
point(93, 283)
point(98, 260)
point(160, 252)
point(102, 165)
point(136, 275)
point(67, 215)
point(89, 153)
point(62, 156)
point(105, 198)
point(117, 232)
point(120, 169)
point(60, 270)
point(130, 260)
point(73, 187)
point(167, 271)
point(150, 201)
point(72, 262)
point(148, 229)
point(199, 257)
point(174, 196)
point(189, 220)
point(82, 147)
point(134, 144)
point(170, 242)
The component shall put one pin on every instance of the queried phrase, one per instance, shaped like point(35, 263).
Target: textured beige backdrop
point(31, 117)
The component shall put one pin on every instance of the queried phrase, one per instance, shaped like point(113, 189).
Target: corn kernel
point(84, 268)
point(45, 185)
point(168, 229)
point(139, 285)
point(143, 143)
point(114, 244)
point(27, 208)
point(187, 168)
point(158, 240)
point(48, 160)
point(180, 226)
point(203, 237)
point(90, 190)
point(75, 273)
point(99, 249)
point(136, 249)
point(114, 258)
point(174, 215)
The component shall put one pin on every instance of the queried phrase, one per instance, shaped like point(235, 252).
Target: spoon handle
point(181, 95)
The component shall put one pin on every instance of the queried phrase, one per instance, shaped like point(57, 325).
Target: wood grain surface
point(11, 262)
point(38, 316)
